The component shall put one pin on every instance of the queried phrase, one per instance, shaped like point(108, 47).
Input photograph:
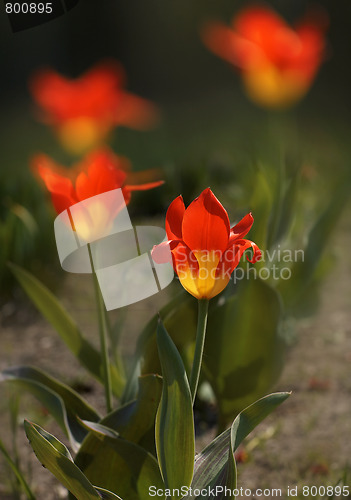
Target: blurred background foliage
point(209, 134)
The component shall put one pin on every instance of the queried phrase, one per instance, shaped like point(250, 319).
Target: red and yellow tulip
point(205, 249)
point(84, 110)
point(278, 63)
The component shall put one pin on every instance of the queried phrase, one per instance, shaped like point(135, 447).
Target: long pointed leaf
point(64, 404)
point(55, 457)
point(134, 422)
point(175, 442)
point(107, 495)
point(215, 465)
point(66, 327)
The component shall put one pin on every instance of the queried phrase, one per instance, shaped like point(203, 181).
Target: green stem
point(277, 206)
point(199, 347)
point(103, 331)
point(279, 125)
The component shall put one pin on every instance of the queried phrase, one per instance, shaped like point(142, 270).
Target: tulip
point(277, 63)
point(204, 249)
point(84, 110)
point(100, 172)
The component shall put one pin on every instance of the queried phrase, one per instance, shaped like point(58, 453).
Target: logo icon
point(97, 235)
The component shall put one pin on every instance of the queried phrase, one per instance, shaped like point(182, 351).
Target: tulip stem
point(103, 330)
point(199, 346)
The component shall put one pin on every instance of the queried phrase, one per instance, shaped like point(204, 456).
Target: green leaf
point(56, 458)
point(288, 207)
point(253, 415)
point(24, 485)
point(260, 204)
point(60, 319)
point(215, 465)
point(244, 350)
point(107, 495)
point(26, 217)
point(64, 404)
point(175, 441)
point(135, 423)
point(143, 466)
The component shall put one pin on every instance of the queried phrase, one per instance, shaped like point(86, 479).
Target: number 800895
point(28, 8)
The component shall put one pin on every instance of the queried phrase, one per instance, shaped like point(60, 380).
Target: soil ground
point(305, 442)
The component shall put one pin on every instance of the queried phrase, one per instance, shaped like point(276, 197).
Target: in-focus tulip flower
point(204, 248)
point(277, 63)
point(100, 172)
point(84, 110)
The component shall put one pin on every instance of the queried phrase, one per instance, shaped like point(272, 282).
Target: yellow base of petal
point(204, 284)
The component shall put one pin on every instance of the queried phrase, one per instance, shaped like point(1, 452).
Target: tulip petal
point(235, 49)
point(106, 171)
point(184, 258)
point(174, 219)
point(257, 254)
point(258, 23)
point(231, 257)
point(206, 224)
point(60, 188)
point(100, 173)
point(219, 285)
point(91, 95)
point(241, 228)
point(134, 112)
point(144, 187)
point(127, 190)
point(312, 49)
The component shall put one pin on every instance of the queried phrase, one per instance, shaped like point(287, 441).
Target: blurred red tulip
point(204, 248)
point(84, 110)
point(277, 63)
point(99, 172)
